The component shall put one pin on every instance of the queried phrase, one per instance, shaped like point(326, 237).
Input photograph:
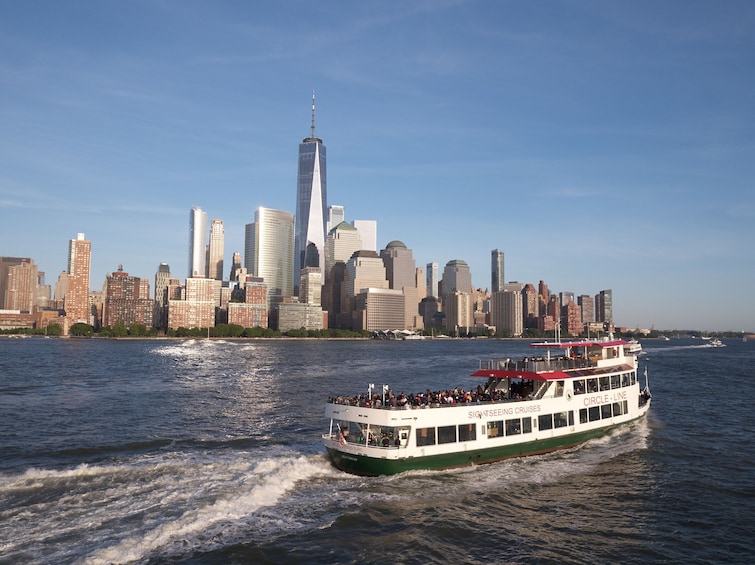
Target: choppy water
point(209, 452)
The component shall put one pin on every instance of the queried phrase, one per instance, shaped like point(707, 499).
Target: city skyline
point(597, 146)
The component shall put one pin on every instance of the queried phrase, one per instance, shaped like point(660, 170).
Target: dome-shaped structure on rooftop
point(396, 243)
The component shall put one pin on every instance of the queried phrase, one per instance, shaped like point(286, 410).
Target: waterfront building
point(378, 309)
point(311, 199)
point(269, 251)
point(400, 270)
point(76, 304)
point(216, 251)
point(496, 270)
point(432, 280)
point(18, 284)
point(368, 233)
point(193, 305)
point(162, 279)
point(252, 312)
point(297, 316)
point(197, 242)
point(127, 300)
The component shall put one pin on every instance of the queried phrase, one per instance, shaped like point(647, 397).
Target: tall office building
point(311, 199)
point(604, 306)
point(216, 251)
point(162, 279)
point(368, 233)
point(456, 276)
point(197, 242)
point(336, 215)
point(496, 271)
point(269, 250)
point(342, 242)
point(401, 272)
point(76, 303)
point(432, 279)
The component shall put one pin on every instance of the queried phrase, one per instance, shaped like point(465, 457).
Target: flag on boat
point(341, 439)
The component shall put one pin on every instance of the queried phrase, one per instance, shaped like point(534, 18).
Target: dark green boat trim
point(373, 466)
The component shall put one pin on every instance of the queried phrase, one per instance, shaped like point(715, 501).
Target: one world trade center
point(311, 203)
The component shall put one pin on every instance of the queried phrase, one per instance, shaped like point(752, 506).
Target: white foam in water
point(213, 515)
point(124, 513)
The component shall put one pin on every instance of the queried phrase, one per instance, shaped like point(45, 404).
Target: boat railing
point(536, 364)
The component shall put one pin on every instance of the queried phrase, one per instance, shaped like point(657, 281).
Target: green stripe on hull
point(371, 466)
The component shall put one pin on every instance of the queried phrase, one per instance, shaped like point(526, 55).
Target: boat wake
point(167, 507)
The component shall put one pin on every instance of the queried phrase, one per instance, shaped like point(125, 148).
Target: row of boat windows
point(517, 426)
point(387, 436)
point(596, 384)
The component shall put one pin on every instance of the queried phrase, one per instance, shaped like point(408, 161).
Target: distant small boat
point(715, 342)
point(632, 347)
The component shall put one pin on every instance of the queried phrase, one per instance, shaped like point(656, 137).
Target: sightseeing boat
point(531, 406)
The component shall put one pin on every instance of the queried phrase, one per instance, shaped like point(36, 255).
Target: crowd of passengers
point(519, 391)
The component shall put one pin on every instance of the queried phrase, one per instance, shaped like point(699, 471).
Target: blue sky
point(599, 144)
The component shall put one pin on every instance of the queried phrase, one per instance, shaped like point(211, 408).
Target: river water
point(208, 452)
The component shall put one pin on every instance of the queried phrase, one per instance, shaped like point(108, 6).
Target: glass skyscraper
point(311, 203)
point(197, 242)
point(267, 250)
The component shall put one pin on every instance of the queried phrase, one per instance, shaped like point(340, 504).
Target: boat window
point(513, 427)
point(425, 436)
point(617, 409)
point(526, 425)
point(605, 383)
point(467, 432)
point(625, 404)
point(545, 422)
point(559, 389)
point(625, 379)
point(583, 416)
point(633, 377)
point(615, 381)
point(594, 413)
point(446, 434)
point(495, 429)
point(605, 411)
point(571, 417)
point(579, 386)
point(560, 420)
point(592, 385)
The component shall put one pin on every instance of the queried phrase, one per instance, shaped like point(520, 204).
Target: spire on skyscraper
point(313, 114)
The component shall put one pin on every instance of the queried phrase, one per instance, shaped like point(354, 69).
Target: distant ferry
point(531, 406)
point(633, 347)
